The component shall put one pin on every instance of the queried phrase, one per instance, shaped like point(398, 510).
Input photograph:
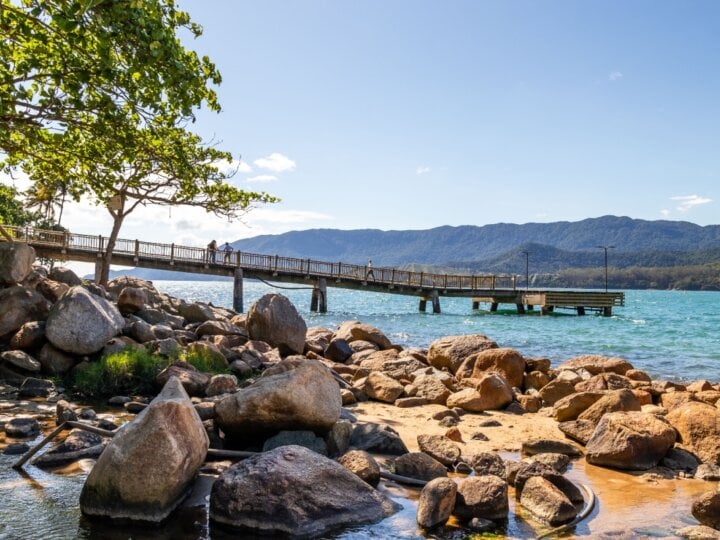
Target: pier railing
point(63, 243)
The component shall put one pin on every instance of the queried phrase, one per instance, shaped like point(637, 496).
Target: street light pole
point(527, 272)
point(606, 265)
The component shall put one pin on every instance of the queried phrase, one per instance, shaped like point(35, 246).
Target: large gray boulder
point(148, 467)
point(18, 306)
point(630, 440)
point(274, 320)
point(482, 497)
point(293, 491)
point(16, 260)
point(82, 323)
point(294, 395)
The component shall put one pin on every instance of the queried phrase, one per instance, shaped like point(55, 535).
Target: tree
point(95, 97)
point(104, 62)
point(12, 211)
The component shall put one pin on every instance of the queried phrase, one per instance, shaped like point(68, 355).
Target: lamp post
point(527, 272)
point(606, 266)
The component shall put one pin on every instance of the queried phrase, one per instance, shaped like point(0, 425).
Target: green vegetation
point(205, 362)
point(690, 278)
point(12, 211)
point(128, 372)
point(95, 100)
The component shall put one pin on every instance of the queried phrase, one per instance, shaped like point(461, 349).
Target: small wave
point(638, 321)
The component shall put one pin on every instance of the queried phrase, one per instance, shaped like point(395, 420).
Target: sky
point(415, 114)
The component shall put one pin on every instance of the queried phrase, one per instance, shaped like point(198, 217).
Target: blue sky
point(413, 114)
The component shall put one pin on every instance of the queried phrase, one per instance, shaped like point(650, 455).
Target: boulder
point(19, 360)
point(482, 497)
point(306, 439)
point(194, 381)
point(21, 427)
point(556, 389)
point(338, 350)
point(221, 384)
point(16, 260)
point(507, 362)
point(81, 323)
point(77, 445)
point(419, 465)
point(489, 392)
point(706, 509)
point(31, 335)
point(291, 503)
point(377, 438)
point(488, 463)
point(131, 300)
point(148, 467)
point(219, 328)
point(535, 380)
point(698, 426)
point(698, 532)
point(431, 388)
point(208, 352)
point(64, 275)
point(363, 465)
point(546, 502)
point(630, 441)
point(438, 447)
point(303, 397)
point(52, 290)
point(274, 320)
point(54, 361)
point(532, 447)
point(527, 470)
point(32, 387)
point(195, 312)
point(617, 400)
point(577, 430)
point(338, 438)
point(18, 306)
point(451, 351)
point(356, 331)
point(570, 407)
point(559, 462)
point(381, 387)
point(595, 363)
point(436, 503)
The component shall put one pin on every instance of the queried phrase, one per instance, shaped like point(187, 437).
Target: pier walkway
point(316, 275)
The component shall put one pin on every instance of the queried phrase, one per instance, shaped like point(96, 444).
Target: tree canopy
point(95, 100)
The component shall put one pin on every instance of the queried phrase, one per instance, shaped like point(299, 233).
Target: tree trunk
point(107, 256)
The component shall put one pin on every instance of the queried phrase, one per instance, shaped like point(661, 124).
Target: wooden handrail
point(64, 240)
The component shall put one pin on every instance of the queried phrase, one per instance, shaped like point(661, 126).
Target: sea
point(670, 334)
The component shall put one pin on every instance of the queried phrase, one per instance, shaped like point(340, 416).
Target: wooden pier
point(316, 275)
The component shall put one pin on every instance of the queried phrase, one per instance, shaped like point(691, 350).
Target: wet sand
point(628, 505)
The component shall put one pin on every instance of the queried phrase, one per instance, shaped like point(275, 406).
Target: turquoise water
point(671, 334)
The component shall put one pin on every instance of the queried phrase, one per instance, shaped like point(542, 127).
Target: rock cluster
point(289, 409)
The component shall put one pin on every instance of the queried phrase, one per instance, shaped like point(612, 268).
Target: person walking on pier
point(227, 249)
point(369, 271)
point(211, 251)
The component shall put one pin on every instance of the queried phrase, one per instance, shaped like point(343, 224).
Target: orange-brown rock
point(507, 362)
point(617, 400)
point(450, 352)
point(698, 425)
point(595, 363)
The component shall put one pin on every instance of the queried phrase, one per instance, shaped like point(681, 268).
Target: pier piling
point(238, 290)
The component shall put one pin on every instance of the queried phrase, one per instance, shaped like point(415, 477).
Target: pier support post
point(546, 310)
point(238, 290)
point(435, 302)
point(475, 304)
point(580, 310)
point(98, 269)
point(520, 308)
point(423, 304)
point(318, 302)
point(493, 307)
point(607, 311)
point(530, 307)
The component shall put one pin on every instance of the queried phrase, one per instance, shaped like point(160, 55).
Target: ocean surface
point(670, 334)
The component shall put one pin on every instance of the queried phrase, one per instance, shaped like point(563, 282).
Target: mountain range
point(500, 247)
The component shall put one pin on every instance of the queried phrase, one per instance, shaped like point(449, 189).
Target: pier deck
point(316, 275)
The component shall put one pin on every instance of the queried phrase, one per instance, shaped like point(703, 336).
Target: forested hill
point(493, 243)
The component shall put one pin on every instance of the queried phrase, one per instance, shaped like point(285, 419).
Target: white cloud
point(261, 178)
point(275, 162)
point(665, 212)
point(235, 165)
point(615, 76)
point(422, 170)
point(686, 202)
